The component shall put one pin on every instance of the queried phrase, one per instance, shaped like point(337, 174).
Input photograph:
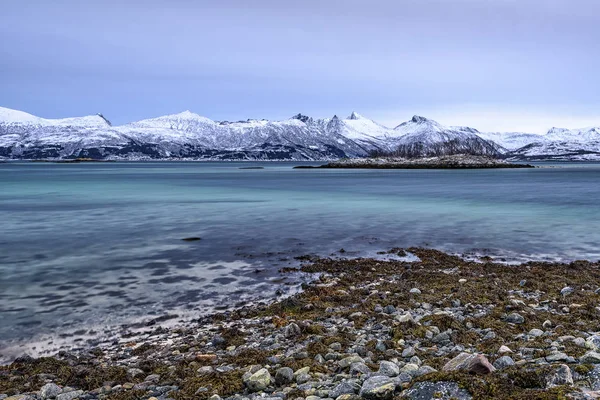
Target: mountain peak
point(302, 117)
point(355, 115)
point(418, 119)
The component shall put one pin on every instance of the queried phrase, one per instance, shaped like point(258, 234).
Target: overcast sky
point(504, 65)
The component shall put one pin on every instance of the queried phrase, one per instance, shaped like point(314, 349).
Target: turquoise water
point(89, 244)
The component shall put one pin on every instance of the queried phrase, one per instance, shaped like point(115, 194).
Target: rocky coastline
point(444, 162)
point(430, 326)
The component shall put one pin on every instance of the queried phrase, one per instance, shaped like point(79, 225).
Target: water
point(88, 245)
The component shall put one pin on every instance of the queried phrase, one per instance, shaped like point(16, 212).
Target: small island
point(442, 162)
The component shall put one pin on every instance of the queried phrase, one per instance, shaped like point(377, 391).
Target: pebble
point(415, 291)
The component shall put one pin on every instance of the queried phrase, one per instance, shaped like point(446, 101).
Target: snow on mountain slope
point(191, 136)
point(562, 144)
point(20, 118)
point(512, 140)
point(422, 137)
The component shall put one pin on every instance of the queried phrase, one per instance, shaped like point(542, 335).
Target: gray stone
point(292, 330)
point(441, 338)
point(591, 357)
point(415, 291)
point(424, 370)
point(593, 342)
point(346, 362)
point(558, 356)
point(378, 388)
point(346, 387)
point(561, 377)
point(436, 390)
point(302, 378)
point(536, 332)
point(408, 352)
point(490, 335)
point(50, 391)
point(258, 381)
point(515, 318)
point(389, 309)
point(205, 370)
point(284, 376)
point(70, 395)
point(406, 318)
point(503, 362)
point(359, 368)
point(388, 368)
point(154, 378)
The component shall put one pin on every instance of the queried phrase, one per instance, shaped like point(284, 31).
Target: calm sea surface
point(85, 245)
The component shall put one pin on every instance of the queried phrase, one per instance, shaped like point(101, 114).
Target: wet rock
point(50, 391)
point(346, 387)
point(515, 318)
point(388, 368)
point(436, 390)
point(503, 362)
point(591, 357)
point(415, 291)
point(561, 377)
point(283, 376)
point(476, 363)
point(378, 388)
point(258, 381)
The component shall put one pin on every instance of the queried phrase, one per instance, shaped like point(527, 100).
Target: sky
point(496, 65)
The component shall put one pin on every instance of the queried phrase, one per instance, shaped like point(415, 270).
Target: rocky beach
point(430, 325)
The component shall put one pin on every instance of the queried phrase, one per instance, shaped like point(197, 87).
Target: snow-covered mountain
point(422, 137)
point(184, 135)
point(190, 136)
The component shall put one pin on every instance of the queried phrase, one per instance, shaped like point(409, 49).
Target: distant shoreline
point(445, 162)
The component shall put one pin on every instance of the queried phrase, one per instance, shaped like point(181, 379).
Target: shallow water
point(85, 245)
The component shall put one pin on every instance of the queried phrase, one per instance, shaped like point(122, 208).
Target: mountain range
point(191, 136)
